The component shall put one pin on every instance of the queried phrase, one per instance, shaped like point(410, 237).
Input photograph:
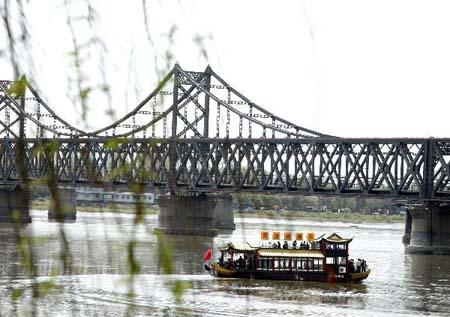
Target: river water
point(400, 284)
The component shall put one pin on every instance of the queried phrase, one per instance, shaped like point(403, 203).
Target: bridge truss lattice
point(195, 132)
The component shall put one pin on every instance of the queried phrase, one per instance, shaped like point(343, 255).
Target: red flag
point(208, 254)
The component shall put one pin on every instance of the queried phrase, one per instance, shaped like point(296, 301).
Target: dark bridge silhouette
point(196, 133)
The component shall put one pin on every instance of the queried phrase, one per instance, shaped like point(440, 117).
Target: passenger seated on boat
point(274, 245)
point(279, 245)
point(285, 245)
point(304, 245)
point(294, 244)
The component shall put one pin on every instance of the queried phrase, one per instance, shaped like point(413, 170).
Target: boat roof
point(291, 253)
point(238, 247)
point(333, 238)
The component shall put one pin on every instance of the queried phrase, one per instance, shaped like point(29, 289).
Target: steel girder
point(415, 168)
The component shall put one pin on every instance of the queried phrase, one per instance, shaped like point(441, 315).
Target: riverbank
point(270, 214)
point(119, 208)
point(324, 216)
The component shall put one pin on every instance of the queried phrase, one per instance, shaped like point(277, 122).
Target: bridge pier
point(67, 203)
point(195, 214)
point(14, 205)
point(430, 230)
point(408, 226)
point(223, 212)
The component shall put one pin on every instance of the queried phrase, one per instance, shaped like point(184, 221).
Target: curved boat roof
point(239, 247)
point(333, 238)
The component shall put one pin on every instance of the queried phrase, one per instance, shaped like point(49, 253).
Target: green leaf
point(19, 87)
point(48, 287)
point(179, 288)
point(17, 293)
point(165, 254)
point(113, 143)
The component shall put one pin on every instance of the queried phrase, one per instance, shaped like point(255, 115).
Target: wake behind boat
point(323, 259)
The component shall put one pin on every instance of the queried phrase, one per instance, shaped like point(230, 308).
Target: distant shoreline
point(357, 218)
point(114, 208)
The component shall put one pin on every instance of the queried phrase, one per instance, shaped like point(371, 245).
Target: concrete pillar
point(14, 205)
point(223, 212)
point(408, 226)
point(430, 232)
point(68, 205)
point(187, 214)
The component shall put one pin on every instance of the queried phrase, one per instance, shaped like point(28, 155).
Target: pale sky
point(347, 68)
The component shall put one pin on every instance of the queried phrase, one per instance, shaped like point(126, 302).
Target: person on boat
point(240, 263)
point(250, 264)
point(285, 245)
point(279, 245)
point(358, 266)
point(294, 244)
point(352, 266)
point(274, 245)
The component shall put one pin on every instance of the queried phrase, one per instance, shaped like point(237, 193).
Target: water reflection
point(401, 284)
point(9, 253)
point(428, 283)
point(187, 252)
point(295, 291)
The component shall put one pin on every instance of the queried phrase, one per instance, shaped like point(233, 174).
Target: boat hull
point(220, 271)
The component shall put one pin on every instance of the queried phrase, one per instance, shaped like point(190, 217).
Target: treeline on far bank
point(245, 202)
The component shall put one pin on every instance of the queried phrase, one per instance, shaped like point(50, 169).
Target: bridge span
point(195, 133)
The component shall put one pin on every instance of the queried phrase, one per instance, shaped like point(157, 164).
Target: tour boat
point(324, 259)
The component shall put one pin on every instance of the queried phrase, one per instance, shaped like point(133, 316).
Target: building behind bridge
point(99, 196)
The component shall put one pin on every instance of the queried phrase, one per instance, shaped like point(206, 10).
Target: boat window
point(342, 260)
point(281, 264)
point(304, 265)
point(262, 264)
point(287, 264)
point(270, 264)
point(330, 261)
point(317, 265)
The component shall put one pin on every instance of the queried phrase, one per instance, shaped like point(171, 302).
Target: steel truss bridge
point(195, 132)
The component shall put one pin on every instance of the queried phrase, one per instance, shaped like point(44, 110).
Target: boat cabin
point(323, 258)
point(335, 250)
point(237, 256)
